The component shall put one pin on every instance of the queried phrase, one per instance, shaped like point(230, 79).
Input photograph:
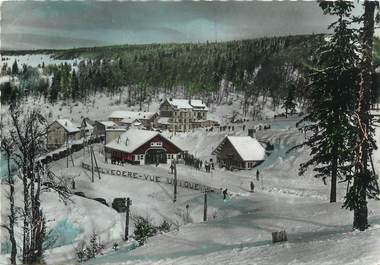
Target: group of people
point(209, 165)
point(191, 160)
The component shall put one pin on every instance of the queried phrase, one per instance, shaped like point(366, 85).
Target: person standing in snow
point(171, 168)
point(257, 175)
point(252, 187)
point(73, 184)
point(225, 194)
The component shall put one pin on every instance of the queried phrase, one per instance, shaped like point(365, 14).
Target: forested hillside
point(261, 67)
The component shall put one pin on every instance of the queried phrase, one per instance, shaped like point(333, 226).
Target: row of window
point(141, 157)
point(251, 164)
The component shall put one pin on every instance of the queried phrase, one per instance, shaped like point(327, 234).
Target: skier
point(252, 187)
point(171, 168)
point(257, 175)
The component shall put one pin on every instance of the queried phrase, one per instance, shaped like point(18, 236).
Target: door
point(155, 155)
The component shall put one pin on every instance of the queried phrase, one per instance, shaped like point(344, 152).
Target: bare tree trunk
point(362, 151)
point(12, 215)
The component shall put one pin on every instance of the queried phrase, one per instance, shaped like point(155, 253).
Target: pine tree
point(289, 103)
point(74, 85)
point(55, 86)
point(14, 68)
point(364, 181)
point(334, 81)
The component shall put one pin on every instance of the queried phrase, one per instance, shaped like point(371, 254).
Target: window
point(141, 157)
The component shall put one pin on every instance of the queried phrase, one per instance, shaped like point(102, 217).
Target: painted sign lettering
point(151, 178)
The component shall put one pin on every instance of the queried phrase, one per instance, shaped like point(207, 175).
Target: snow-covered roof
point(248, 148)
point(163, 120)
point(115, 129)
point(198, 104)
point(108, 123)
point(123, 114)
point(131, 140)
point(68, 125)
point(187, 104)
point(128, 120)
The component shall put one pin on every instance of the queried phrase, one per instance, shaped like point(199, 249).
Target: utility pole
point(67, 150)
point(175, 181)
point(94, 158)
point(205, 207)
point(92, 168)
point(129, 203)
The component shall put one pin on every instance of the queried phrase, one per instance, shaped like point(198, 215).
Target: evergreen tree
point(74, 85)
point(334, 81)
point(14, 68)
point(55, 87)
point(289, 103)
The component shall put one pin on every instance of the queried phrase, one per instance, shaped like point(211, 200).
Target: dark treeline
point(263, 67)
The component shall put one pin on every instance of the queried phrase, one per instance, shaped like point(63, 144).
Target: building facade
point(181, 115)
point(100, 127)
point(142, 147)
point(239, 152)
point(60, 132)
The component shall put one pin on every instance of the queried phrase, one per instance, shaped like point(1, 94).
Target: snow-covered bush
point(90, 250)
point(143, 229)
point(164, 227)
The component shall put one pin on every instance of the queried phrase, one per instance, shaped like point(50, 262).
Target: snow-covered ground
point(34, 60)
point(239, 228)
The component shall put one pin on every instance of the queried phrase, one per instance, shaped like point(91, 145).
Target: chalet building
point(126, 118)
point(142, 147)
point(60, 131)
point(239, 152)
point(182, 115)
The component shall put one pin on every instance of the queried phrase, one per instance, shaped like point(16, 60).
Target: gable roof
point(68, 125)
point(248, 148)
point(107, 123)
point(132, 139)
point(124, 114)
point(187, 104)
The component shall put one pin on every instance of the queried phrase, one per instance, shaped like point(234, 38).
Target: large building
point(182, 115)
point(61, 131)
point(239, 152)
point(126, 118)
point(142, 147)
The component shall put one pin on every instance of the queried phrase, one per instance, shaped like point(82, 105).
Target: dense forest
point(267, 67)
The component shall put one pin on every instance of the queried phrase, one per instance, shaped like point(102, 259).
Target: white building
point(239, 152)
